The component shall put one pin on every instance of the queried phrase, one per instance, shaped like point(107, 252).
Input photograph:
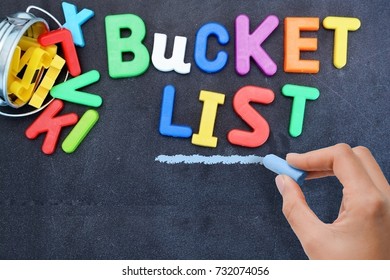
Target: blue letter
point(200, 53)
point(74, 21)
point(166, 126)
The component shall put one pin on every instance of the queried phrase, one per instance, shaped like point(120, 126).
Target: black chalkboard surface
point(111, 199)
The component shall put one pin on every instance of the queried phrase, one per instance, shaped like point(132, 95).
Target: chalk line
point(209, 160)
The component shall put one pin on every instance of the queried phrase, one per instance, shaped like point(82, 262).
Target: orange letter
point(294, 44)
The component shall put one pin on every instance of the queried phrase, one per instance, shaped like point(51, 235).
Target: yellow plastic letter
point(47, 82)
point(341, 26)
point(205, 137)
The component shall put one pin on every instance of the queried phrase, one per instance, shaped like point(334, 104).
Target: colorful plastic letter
point(205, 137)
point(25, 58)
point(14, 66)
point(47, 82)
point(48, 123)
point(341, 26)
point(16, 88)
point(26, 42)
point(68, 90)
point(80, 131)
point(166, 126)
point(39, 58)
point(260, 126)
point(35, 30)
point(74, 21)
point(299, 94)
point(117, 46)
point(249, 45)
point(64, 37)
point(32, 60)
point(176, 62)
point(294, 44)
point(200, 52)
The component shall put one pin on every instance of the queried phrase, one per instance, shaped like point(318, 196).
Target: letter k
point(52, 125)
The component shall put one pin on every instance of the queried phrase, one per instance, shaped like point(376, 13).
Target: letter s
point(260, 133)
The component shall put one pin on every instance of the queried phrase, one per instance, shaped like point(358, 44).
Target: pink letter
point(249, 45)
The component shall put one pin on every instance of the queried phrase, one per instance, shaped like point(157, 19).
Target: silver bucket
point(12, 29)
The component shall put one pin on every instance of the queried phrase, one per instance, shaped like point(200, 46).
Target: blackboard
point(110, 199)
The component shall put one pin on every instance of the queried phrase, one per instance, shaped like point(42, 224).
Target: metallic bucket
point(12, 29)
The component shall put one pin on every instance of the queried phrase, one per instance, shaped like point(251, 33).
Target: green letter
point(299, 94)
point(118, 45)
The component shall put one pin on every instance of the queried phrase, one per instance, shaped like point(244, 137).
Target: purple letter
point(249, 45)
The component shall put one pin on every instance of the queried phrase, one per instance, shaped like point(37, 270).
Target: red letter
point(47, 122)
point(64, 37)
point(260, 126)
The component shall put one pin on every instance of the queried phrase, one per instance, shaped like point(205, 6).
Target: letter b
point(117, 45)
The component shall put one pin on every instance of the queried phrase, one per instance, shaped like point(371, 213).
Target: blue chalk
point(280, 166)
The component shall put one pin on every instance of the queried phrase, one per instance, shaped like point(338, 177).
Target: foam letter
point(341, 26)
point(80, 131)
point(52, 125)
point(249, 45)
point(176, 62)
point(39, 58)
point(200, 53)
point(15, 61)
point(64, 37)
point(74, 21)
point(294, 44)
point(117, 46)
point(260, 126)
point(205, 137)
point(166, 126)
point(34, 60)
point(26, 42)
point(299, 94)
point(68, 90)
point(47, 82)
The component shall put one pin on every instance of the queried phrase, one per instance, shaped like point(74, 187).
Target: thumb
point(301, 218)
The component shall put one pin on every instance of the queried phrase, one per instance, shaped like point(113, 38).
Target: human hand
point(362, 229)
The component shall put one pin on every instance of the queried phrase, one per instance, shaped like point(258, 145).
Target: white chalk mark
point(209, 160)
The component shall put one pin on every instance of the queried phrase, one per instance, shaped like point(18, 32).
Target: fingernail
point(279, 180)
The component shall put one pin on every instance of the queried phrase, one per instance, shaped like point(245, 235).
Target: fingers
point(363, 208)
point(319, 174)
point(303, 221)
point(339, 160)
point(372, 167)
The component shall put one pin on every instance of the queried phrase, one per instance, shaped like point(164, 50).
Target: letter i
point(80, 131)
point(205, 137)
